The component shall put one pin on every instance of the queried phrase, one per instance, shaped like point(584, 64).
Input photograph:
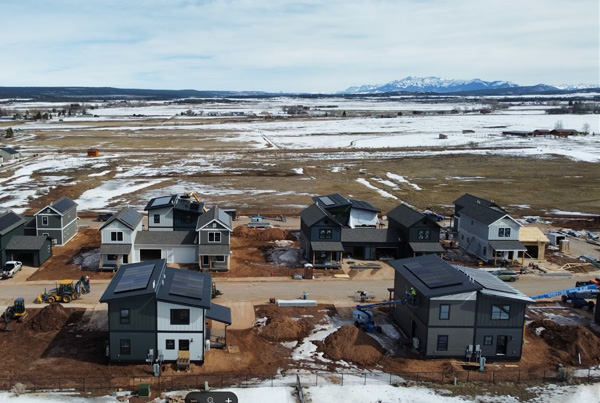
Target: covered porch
point(214, 257)
point(426, 248)
point(326, 254)
point(509, 251)
point(114, 256)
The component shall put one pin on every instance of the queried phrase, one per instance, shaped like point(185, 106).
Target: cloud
point(296, 45)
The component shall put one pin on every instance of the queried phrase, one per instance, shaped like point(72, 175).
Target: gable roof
point(483, 214)
point(315, 213)
point(406, 216)
point(166, 238)
point(433, 277)
point(214, 214)
point(332, 200)
point(134, 280)
point(10, 150)
point(492, 285)
point(9, 221)
point(128, 216)
point(160, 202)
point(470, 199)
point(61, 206)
point(370, 235)
point(27, 243)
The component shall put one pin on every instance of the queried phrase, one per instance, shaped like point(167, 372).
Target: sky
point(295, 46)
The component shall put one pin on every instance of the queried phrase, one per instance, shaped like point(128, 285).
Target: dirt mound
point(283, 328)
point(567, 341)
point(350, 344)
point(267, 234)
point(52, 317)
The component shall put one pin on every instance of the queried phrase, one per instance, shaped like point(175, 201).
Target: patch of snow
point(402, 179)
point(299, 171)
point(380, 191)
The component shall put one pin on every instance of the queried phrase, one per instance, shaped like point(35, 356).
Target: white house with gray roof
point(486, 230)
point(173, 246)
point(118, 236)
point(214, 233)
point(9, 154)
point(57, 221)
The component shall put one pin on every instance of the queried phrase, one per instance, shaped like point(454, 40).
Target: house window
point(170, 344)
point(45, 221)
point(156, 218)
point(124, 316)
point(442, 343)
point(112, 258)
point(187, 218)
point(444, 311)
point(503, 232)
point(325, 233)
point(424, 235)
point(488, 340)
point(219, 258)
point(500, 312)
point(46, 234)
point(125, 347)
point(214, 237)
point(180, 316)
point(184, 345)
point(116, 236)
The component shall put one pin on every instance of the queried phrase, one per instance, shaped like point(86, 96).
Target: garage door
point(185, 254)
point(150, 254)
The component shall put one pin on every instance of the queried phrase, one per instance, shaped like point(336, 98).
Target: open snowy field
point(251, 155)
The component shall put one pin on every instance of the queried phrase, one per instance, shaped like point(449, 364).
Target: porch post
point(313, 259)
point(495, 257)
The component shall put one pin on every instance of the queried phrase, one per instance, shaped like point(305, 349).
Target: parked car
point(105, 216)
point(10, 268)
point(506, 275)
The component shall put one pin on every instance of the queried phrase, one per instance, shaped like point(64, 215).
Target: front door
point(205, 260)
point(501, 345)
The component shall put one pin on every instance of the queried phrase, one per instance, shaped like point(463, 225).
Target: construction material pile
point(568, 343)
point(51, 317)
point(351, 344)
point(267, 234)
point(284, 328)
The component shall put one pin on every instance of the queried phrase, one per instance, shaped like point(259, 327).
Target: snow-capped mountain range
point(442, 85)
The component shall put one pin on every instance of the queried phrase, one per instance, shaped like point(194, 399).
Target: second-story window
point(156, 218)
point(444, 311)
point(325, 233)
point(45, 221)
point(116, 236)
point(503, 232)
point(214, 237)
point(424, 235)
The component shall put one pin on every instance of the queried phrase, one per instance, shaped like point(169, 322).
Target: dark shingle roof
point(189, 205)
point(217, 214)
point(332, 200)
point(9, 150)
point(149, 286)
point(160, 202)
point(363, 205)
point(314, 213)
point(166, 238)
point(369, 235)
point(483, 214)
point(128, 216)
point(23, 242)
point(432, 277)
point(467, 199)
point(63, 205)
point(10, 221)
point(406, 216)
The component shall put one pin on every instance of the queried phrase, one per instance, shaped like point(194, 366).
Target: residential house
point(9, 154)
point(30, 250)
point(486, 230)
point(11, 224)
point(535, 241)
point(58, 221)
point(173, 213)
point(321, 237)
point(214, 233)
point(418, 233)
point(173, 246)
point(118, 235)
point(157, 313)
point(456, 311)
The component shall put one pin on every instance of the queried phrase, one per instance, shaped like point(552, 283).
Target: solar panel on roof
point(488, 280)
point(135, 278)
point(326, 200)
point(434, 275)
point(187, 284)
point(8, 219)
point(161, 200)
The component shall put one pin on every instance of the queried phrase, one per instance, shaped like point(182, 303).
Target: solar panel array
point(434, 275)
point(135, 278)
point(187, 284)
point(63, 204)
point(326, 200)
point(161, 200)
point(487, 280)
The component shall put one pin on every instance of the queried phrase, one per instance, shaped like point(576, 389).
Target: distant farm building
point(93, 152)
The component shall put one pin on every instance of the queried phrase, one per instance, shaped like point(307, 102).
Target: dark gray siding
point(142, 314)
point(5, 239)
point(484, 312)
point(459, 339)
point(224, 236)
point(514, 339)
point(336, 231)
point(462, 313)
point(140, 344)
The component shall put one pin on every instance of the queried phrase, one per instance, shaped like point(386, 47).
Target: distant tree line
point(575, 108)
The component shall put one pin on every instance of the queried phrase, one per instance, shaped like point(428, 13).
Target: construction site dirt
point(282, 339)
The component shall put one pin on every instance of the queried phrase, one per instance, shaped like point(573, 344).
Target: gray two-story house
point(118, 235)
point(419, 234)
point(458, 312)
point(58, 221)
point(157, 313)
point(321, 237)
point(173, 213)
point(214, 230)
point(487, 231)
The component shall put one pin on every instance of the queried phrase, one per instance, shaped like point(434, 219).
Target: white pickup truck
point(10, 268)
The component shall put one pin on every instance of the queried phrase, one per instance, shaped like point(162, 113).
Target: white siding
point(163, 320)
point(196, 345)
point(117, 226)
point(504, 223)
point(185, 254)
point(166, 219)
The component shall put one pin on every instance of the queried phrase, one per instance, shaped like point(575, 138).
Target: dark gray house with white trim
point(458, 311)
point(30, 250)
point(214, 230)
point(58, 221)
point(11, 224)
point(419, 234)
point(159, 313)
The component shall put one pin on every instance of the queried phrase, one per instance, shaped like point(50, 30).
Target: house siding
point(117, 226)
point(5, 239)
point(166, 219)
point(140, 343)
point(514, 337)
point(484, 312)
point(196, 340)
point(163, 319)
point(142, 311)
point(458, 341)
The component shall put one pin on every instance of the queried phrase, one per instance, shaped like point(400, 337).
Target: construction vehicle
point(215, 293)
point(65, 291)
point(363, 317)
point(16, 312)
point(577, 295)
